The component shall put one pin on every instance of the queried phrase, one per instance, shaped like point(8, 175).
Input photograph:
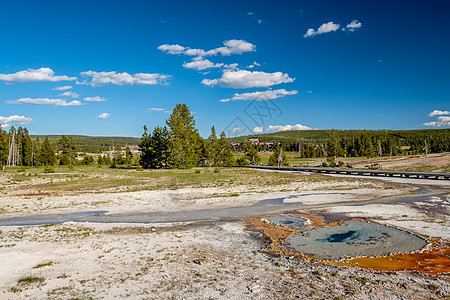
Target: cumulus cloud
point(230, 47)
point(287, 127)
point(261, 96)
point(254, 64)
point(231, 66)
point(324, 28)
point(14, 120)
point(172, 49)
point(34, 75)
point(442, 121)
point(439, 113)
point(62, 88)
point(200, 63)
point(258, 129)
point(156, 109)
point(45, 101)
point(102, 78)
point(103, 116)
point(94, 99)
point(69, 94)
point(352, 26)
point(245, 79)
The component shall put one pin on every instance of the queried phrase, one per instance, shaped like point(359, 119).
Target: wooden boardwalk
point(417, 175)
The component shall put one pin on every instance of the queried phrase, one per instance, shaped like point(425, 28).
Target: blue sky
point(110, 67)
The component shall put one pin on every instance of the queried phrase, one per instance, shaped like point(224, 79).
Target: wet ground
point(264, 207)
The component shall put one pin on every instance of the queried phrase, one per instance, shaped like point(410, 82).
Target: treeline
point(313, 143)
point(18, 149)
point(92, 144)
point(179, 145)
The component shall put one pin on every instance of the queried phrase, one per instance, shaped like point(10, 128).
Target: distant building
point(254, 140)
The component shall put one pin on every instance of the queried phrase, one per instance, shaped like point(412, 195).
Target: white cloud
point(69, 94)
point(235, 129)
point(230, 47)
point(260, 21)
point(94, 99)
point(443, 119)
point(103, 116)
point(324, 28)
point(254, 64)
point(438, 113)
point(245, 79)
point(352, 26)
point(195, 52)
point(14, 120)
point(200, 63)
point(32, 75)
point(308, 92)
point(258, 129)
point(45, 101)
point(239, 46)
point(438, 123)
point(172, 49)
point(156, 109)
point(287, 127)
point(62, 88)
point(250, 13)
point(261, 96)
point(103, 78)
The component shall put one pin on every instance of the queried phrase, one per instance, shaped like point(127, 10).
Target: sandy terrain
point(435, 162)
point(220, 260)
point(13, 205)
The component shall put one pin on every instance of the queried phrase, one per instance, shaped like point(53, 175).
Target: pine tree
point(153, 148)
point(68, 150)
point(128, 156)
point(212, 148)
point(3, 147)
point(183, 139)
point(278, 158)
point(224, 153)
point(47, 156)
point(36, 150)
point(251, 154)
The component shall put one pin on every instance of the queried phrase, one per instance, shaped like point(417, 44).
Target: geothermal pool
point(353, 238)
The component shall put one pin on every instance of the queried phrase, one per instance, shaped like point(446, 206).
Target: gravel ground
point(203, 261)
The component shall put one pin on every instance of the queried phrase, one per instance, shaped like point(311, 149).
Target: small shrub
point(21, 170)
point(43, 265)
point(197, 172)
point(49, 169)
point(139, 168)
point(31, 279)
point(216, 170)
point(433, 287)
point(113, 165)
point(363, 280)
point(70, 167)
point(242, 161)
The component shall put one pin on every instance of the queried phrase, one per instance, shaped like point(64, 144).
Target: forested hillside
point(384, 141)
point(92, 144)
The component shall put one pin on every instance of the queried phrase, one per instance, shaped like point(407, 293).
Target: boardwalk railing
point(418, 175)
